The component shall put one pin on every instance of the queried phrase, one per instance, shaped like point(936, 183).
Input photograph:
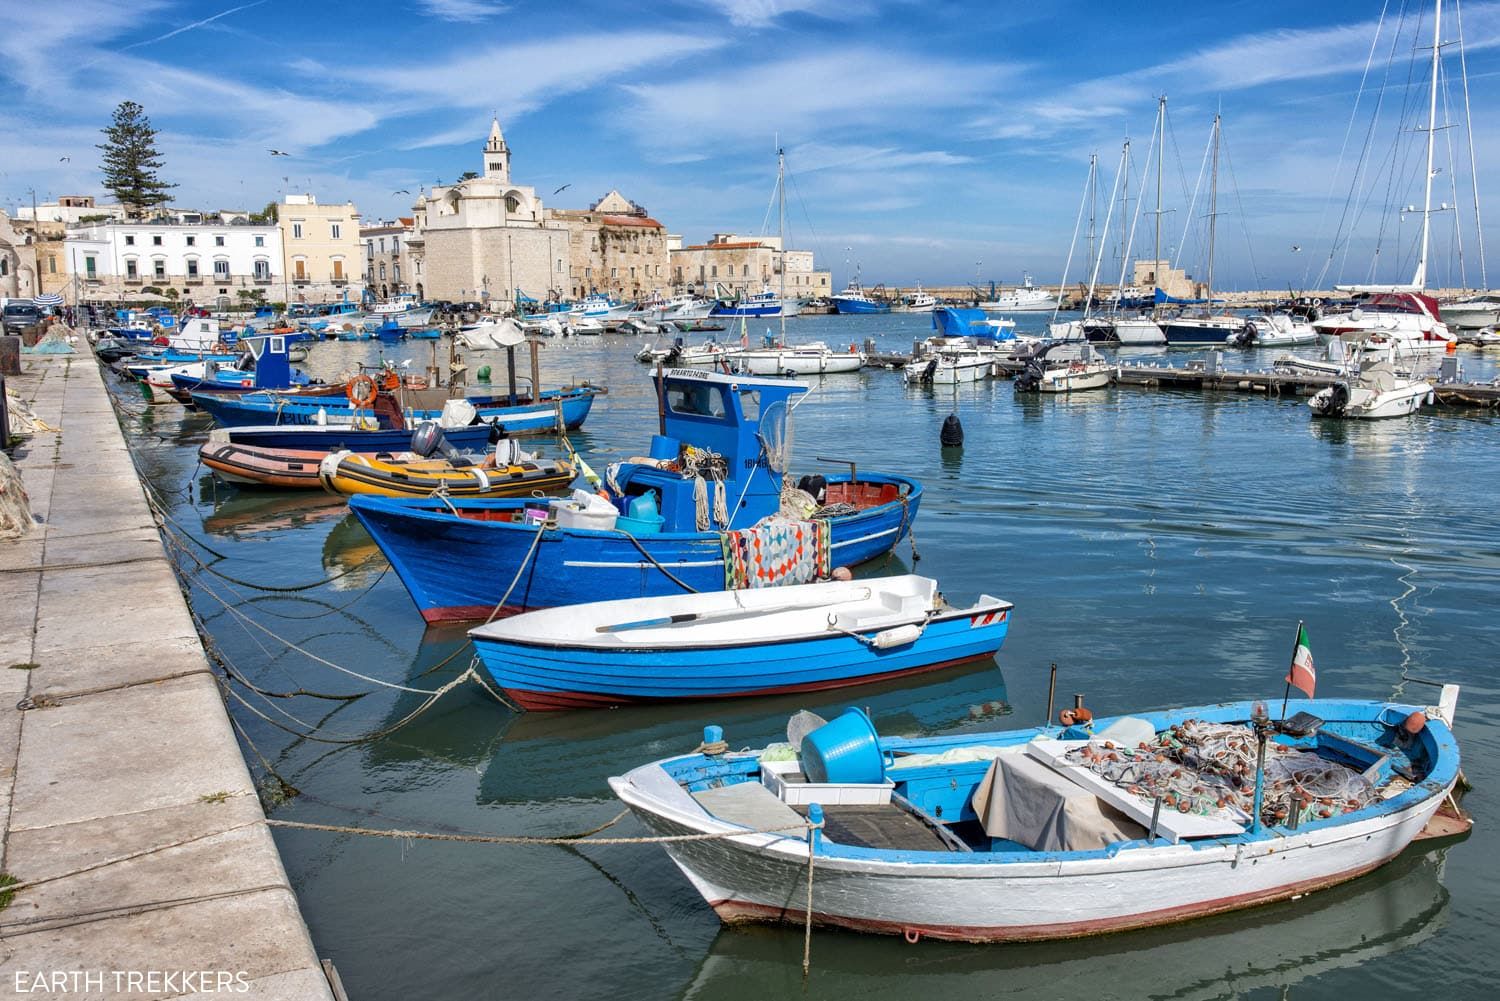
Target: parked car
point(19, 315)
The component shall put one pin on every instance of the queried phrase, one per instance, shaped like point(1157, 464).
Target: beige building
point(614, 247)
point(734, 265)
point(322, 255)
point(1173, 281)
point(389, 268)
point(486, 238)
point(18, 278)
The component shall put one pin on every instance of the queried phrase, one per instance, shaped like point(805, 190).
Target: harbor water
point(1160, 547)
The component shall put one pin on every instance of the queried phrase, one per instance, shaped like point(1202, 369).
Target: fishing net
point(1209, 768)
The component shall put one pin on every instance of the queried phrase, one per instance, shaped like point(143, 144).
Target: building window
point(218, 241)
point(745, 271)
point(511, 204)
point(129, 240)
point(130, 271)
point(715, 271)
point(299, 269)
point(335, 232)
point(632, 272)
point(296, 231)
point(192, 241)
point(90, 266)
point(396, 273)
point(262, 269)
point(395, 244)
point(192, 267)
point(159, 268)
point(221, 269)
point(338, 269)
point(593, 244)
point(52, 264)
point(156, 241)
point(614, 272)
point(382, 271)
point(260, 241)
point(495, 167)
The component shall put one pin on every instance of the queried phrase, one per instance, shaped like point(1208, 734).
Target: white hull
point(1471, 315)
point(761, 877)
point(1138, 333)
point(1076, 378)
point(949, 371)
point(1370, 404)
point(795, 361)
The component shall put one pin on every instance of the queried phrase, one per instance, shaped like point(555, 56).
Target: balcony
point(135, 281)
point(262, 279)
point(193, 280)
point(301, 280)
point(338, 281)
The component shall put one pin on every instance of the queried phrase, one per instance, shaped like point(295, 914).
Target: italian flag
point(1302, 676)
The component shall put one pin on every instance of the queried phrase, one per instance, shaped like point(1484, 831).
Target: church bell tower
point(496, 155)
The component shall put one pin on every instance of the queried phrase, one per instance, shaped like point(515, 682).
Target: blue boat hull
point(475, 438)
point(847, 306)
point(458, 568)
point(256, 409)
point(540, 677)
point(1194, 336)
point(747, 310)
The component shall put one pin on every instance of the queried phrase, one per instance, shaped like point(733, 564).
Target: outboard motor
point(1338, 399)
point(929, 371)
point(428, 439)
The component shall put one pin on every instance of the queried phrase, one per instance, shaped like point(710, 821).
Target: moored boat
point(411, 474)
point(1052, 833)
point(807, 637)
point(694, 541)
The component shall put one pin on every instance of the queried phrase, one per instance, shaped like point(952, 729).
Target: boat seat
point(751, 805)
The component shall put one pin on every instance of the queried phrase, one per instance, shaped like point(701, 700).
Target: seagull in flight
point(1295, 248)
point(65, 159)
point(277, 152)
point(403, 191)
point(563, 188)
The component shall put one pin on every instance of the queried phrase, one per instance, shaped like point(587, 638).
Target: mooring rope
point(541, 530)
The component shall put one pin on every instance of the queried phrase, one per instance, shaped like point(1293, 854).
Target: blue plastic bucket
point(640, 526)
point(664, 447)
point(845, 749)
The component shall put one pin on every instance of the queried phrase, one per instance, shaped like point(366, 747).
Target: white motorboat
point(1473, 313)
point(812, 358)
point(1377, 391)
point(403, 309)
point(598, 307)
point(710, 355)
point(1025, 298)
point(916, 302)
point(1051, 833)
point(1072, 369)
point(1488, 337)
point(1275, 330)
point(1408, 320)
point(949, 365)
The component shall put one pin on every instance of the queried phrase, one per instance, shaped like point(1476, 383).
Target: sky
point(941, 142)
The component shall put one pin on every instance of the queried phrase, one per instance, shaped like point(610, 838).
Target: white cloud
point(462, 10)
point(763, 13)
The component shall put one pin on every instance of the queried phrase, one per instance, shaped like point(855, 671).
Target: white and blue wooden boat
point(1022, 835)
point(768, 641)
point(458, 558)
point(522, 416)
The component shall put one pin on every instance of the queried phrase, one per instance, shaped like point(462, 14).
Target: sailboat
point(1206, 330)
point(1089, 327)
point(779, 358)
point(1143, 331)
point(1401, 319)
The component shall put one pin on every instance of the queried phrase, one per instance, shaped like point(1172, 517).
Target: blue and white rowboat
point(802, 638)
point(1021, 835)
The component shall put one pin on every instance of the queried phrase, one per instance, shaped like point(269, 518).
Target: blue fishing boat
point(424, 334)
point(803, 638)
point(1054, 832)
point(523, 415)
point(390, 330)
point(855, 299)
point(764, 303)
point(722, 441)
point(265, 365)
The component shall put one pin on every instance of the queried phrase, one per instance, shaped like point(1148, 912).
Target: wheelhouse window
point(696, 399)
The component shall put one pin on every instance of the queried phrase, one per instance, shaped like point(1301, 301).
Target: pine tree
point(131, 161)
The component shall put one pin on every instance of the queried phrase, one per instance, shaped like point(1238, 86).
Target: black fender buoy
point(952, 435)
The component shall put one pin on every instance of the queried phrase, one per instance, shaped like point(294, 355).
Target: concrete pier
point(128, 815)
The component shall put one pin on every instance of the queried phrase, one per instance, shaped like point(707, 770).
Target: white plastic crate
point(785, 779)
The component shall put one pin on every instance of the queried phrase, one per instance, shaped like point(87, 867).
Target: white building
point(205, 262)
point(69, 210)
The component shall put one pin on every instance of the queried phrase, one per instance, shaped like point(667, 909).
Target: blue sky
point(928, 141)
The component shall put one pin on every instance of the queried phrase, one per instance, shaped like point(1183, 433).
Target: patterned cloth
point(777, 551)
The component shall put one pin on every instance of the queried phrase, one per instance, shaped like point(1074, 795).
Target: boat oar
point(727, 614)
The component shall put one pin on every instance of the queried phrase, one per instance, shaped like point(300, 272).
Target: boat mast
point(1463, 66)
point(1104, 237)
point(1161, 158)
point(1420, 278)
point(781, 234)
point(1213, 214)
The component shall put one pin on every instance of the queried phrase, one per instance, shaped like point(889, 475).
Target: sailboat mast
point(1420, 278)
point(1161, 158)
point(781, 230)
point(1213, 214)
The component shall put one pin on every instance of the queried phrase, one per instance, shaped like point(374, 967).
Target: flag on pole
point(1302, 676)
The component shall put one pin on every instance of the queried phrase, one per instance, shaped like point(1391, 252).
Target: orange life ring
point(361, 391)
point(392, 381)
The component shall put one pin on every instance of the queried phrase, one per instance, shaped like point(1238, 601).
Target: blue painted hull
point(458, 568)
point(855, 306)
point(257, 408)
point(540, 677)
point(1194, 336)
point(475, 438)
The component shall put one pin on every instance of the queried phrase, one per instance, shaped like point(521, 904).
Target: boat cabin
point(720, 428)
